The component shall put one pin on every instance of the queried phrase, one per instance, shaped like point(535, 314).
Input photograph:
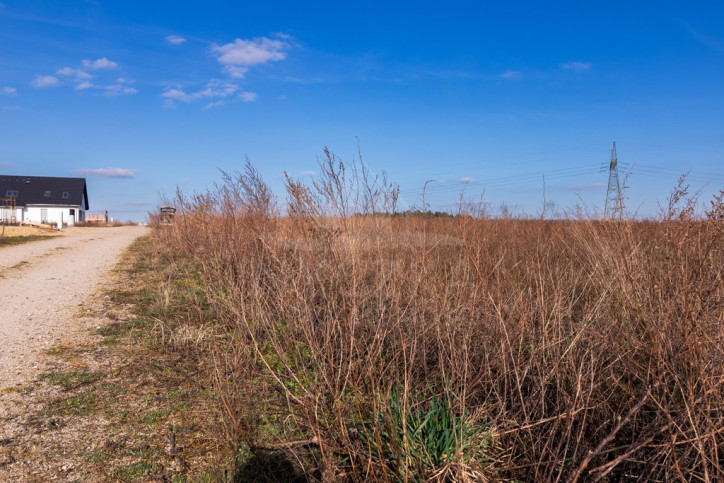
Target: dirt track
point(43, 286)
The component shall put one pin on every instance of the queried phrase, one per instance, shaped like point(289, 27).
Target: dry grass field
point(345, 343)
point(11, 231)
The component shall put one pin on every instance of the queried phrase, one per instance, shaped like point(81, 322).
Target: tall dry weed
point(532, 350)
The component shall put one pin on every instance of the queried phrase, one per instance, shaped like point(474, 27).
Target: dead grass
point(586, 349)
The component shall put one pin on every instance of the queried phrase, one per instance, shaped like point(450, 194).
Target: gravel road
point(43, 286)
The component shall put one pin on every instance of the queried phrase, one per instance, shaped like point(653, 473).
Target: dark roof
point(31, 190)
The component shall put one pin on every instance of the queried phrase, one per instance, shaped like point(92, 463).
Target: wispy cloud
point(119, 88)
point(511, 74)
point(139, 203)
point(108, 172)
point(82, 78)
point(5, 164)
point(301, 175)
point(175, 39)
point(239, 55)
point(247, 96)
point(69, 72)
point(583, 187)
point(212, 105)
point(214, 89)
point(705, 40)
point(84, 85)
point(99, 64)
point(466, 179)
point(577, 66)
point(41, 81)
point(9, 91)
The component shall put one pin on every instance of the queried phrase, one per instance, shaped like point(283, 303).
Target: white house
point(43, 199)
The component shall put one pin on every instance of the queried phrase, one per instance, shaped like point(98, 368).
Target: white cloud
point(119, 90)
point(283, 36)
point(511, 74)
point(211, 105)
point(214, 89)
point(577, 66)
point(236, 71)
point(466, 179)
point(102, 63)
point(175, 39)
point(176, 95)
point(9, 91)
point(83, 86)
point(248, 96)
point(78, 74)
point(5, 164)
point(241, 54)
point(41, 81)
point(108, 172)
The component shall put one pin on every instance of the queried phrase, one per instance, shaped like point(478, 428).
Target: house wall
point(55, 214)
point(8, 215)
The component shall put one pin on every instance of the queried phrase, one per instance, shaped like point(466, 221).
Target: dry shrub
point(362, 345)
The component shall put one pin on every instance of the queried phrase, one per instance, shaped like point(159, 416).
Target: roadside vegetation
point(121, 404)
point(463, 348)
point(18, 240)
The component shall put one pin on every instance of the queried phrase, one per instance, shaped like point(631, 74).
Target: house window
point(47, 194)
point(12, 194)
point(65, 194)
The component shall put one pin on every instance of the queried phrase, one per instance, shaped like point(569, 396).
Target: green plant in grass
point(155, 415)
point(416, 443)
point(134, 471)
point(73, 379)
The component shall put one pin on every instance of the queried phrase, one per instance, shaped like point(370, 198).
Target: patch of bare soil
point(107, 404)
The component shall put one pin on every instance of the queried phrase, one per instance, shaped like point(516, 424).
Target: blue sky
point(142, 97)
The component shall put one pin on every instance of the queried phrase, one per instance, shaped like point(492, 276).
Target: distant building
point(40, 199)
point(95, 218)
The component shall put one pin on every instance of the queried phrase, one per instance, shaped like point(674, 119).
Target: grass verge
point(19, 240)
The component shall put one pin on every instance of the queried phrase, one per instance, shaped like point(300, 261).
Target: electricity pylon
point(614, 201)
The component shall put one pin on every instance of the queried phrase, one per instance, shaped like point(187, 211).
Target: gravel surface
point(43, 286)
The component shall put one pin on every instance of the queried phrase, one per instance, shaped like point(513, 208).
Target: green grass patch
point(110, 340)
point(19, 240)
point(65, 353)
point(78, 405)
point(121, 296)
point(155, 415)
point(134, 471)
point(73, 379)
point(98, 457)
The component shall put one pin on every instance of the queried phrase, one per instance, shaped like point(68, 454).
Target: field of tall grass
point(346, 343)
